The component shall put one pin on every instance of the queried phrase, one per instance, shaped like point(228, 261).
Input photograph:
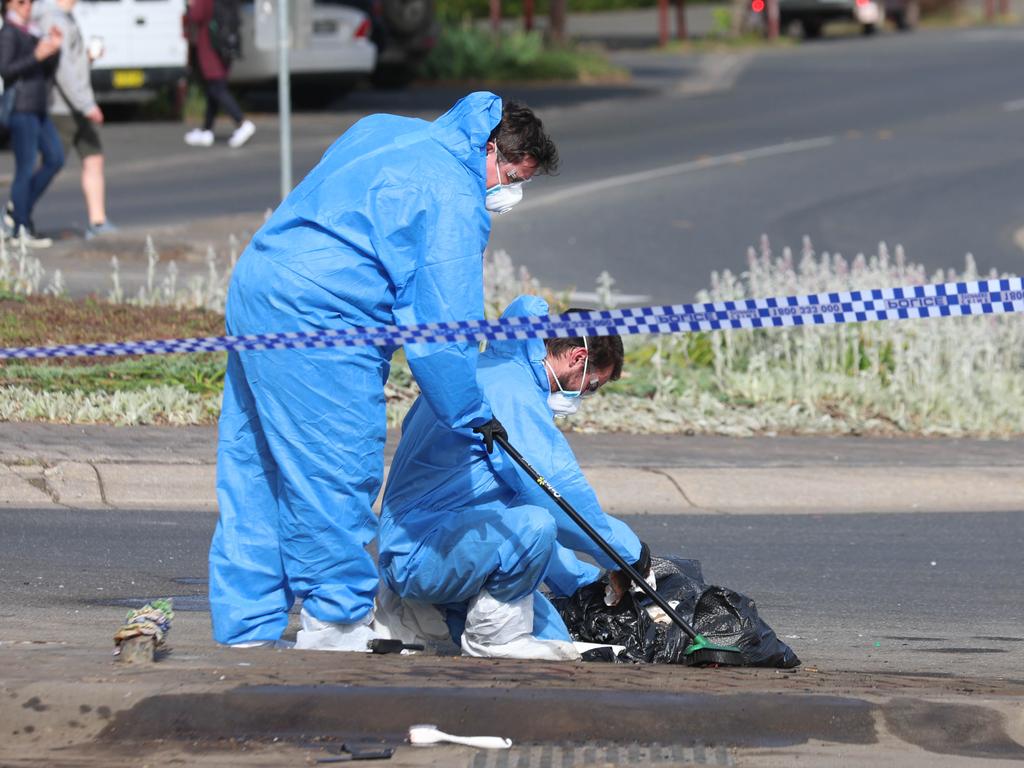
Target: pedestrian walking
point(389, 228)
point(75, 112)
point(212, 66)
point(28, 63)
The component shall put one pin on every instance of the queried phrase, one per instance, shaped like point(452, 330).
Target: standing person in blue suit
point(389, 228)
point(466, 529)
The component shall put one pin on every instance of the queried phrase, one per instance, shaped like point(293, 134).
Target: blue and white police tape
point(981, 297)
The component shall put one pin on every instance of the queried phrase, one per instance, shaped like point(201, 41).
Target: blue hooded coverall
point(456, 520)
point(389, 228)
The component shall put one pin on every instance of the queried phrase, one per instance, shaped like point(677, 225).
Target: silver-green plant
point(116, 293)
point(167, 404)
point(20, 272)
point(161, 288)
point(503, 281)
point(948, 376)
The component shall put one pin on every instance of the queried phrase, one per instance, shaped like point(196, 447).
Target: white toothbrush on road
point(422, 735)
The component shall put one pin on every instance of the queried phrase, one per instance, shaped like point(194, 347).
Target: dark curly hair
point(605, 351)
point(520, 134)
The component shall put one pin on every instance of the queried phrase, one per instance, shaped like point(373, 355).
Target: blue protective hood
point(465, 128)
point(530, 349)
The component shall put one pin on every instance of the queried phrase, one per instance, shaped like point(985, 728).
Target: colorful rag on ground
point(152, 620)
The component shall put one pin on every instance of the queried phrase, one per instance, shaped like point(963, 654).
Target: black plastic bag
point(723, 616)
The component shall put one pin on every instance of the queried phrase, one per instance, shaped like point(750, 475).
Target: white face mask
point(562, 405)
point(503, 197)
point(565, 403)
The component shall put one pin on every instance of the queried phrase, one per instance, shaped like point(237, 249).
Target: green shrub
point(466, 53)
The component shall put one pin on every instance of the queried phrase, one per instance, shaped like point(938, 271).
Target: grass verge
point(464, 52)
point(950, 376)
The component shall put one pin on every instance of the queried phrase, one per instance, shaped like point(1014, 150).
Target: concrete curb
point(211, 698)
point(622, 490)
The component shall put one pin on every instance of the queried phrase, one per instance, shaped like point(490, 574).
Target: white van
point(144, 50)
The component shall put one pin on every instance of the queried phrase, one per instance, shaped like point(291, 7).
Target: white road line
point(1013, 106)
point(620, 299)
point(640, 177)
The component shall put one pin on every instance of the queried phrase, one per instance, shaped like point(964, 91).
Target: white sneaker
point(29, 240)
point(242, 134)
point(197, 137)
point(499, 630)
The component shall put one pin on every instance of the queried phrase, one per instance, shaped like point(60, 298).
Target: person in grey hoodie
point(75, 112)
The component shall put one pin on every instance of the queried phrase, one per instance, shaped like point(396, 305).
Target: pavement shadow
point(440, 97)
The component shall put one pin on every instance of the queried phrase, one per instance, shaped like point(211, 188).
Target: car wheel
point(869, 29)
point(907, 18)
point(391, 77)
point(320, 96)
point(812, 28)
point(407, 17)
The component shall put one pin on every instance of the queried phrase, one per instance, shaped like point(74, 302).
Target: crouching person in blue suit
point(469, 532)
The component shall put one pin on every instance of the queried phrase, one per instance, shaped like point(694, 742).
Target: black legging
point(219, 97)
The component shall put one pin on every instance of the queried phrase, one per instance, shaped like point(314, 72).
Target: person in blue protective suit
point(464, 528)
point(389, 228)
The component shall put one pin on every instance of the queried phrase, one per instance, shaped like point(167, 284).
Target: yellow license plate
point(129, 78)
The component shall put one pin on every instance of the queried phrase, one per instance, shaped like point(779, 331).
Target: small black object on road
point(380, 645)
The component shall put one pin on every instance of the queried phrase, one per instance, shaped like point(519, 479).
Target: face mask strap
point(497, 170)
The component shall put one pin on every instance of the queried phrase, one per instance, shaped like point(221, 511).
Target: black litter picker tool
point(701, 652)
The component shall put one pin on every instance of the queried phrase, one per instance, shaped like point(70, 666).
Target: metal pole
point(284, 97)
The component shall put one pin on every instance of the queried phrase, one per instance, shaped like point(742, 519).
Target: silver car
point(338, 53)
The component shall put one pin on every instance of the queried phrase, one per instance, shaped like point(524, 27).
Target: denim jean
point(219, 97)
point(32, 134)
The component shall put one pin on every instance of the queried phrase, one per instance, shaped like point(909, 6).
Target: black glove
point(643, 563)
point(489, 431)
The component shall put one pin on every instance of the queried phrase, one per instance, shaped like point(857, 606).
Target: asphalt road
point(910, 139)
point(932, 593)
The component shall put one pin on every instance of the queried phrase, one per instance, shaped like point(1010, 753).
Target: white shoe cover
point(316, 635)
point(495, 629)
point(412, 622)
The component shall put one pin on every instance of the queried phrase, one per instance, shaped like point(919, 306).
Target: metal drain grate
point(599, 754)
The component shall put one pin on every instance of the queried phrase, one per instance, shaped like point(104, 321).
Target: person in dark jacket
point(213, 71)
point(28, 62)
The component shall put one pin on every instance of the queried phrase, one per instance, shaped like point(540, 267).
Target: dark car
point(812, 15)
point(404, 31)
